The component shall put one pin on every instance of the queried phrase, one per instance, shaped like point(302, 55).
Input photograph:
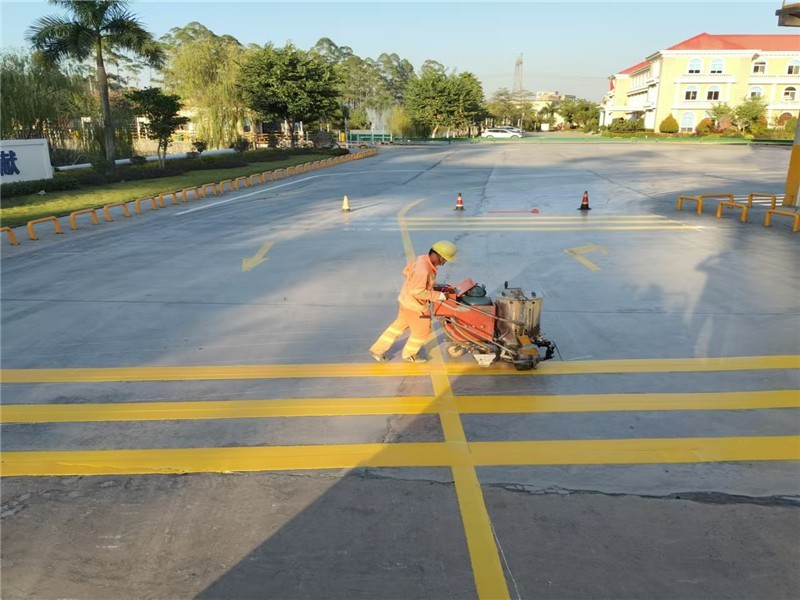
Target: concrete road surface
point(190, 411)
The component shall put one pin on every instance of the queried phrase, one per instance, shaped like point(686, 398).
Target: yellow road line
point(218, 409)
point(410, 405)
point(629, 402)
point(422, 454)
point(636, 451)
point(644, 365)
point(219, 460)
point(467, 227)
point(490, 581)
point(538, 218)
point(226, 372)
point(533, 222)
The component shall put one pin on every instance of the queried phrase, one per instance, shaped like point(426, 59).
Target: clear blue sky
point(572, 47)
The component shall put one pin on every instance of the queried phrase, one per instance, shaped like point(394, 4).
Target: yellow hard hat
point(446, 249)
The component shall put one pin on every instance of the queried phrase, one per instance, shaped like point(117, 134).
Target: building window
point(713, 93)
point(793, 68)
point(694, 66)
point(759, 67)
point(755, 92)
point(687, 122)
point(716, 66)
point(790, 94)
point(691, 93)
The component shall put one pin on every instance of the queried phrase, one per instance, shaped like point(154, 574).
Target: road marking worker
point(415, 297)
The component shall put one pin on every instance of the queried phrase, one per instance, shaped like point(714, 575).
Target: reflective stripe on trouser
point(406, 319)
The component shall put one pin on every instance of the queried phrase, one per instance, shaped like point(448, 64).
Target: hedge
point(59, 183)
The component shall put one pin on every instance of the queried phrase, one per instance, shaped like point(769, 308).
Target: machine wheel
point(454, 350)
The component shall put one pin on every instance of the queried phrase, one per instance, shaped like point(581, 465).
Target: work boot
point(378, 357)
point(415, 359)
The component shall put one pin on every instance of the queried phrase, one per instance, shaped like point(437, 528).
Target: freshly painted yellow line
point(219, 460)
point(534, 222)
point(410, 405)
point(450, 227)
point(644, 365)
point(636, 451)
point(486, 567)
point(490, 581)
point(218, 409)
point(422, 454)
point(538, 218)
point(629, 402)
point(226, 372)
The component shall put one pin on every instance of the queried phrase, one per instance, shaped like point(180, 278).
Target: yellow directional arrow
point(257, 259)
point(578, 251)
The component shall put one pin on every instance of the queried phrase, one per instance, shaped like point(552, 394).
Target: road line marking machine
point(507, 328)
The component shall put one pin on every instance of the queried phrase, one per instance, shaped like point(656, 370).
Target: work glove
point(441, 297)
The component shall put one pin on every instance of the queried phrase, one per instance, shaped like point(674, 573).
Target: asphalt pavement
point(189, 408)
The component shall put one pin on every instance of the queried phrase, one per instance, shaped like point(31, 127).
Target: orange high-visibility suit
point(414, 299)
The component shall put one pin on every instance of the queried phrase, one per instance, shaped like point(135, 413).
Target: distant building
point(688, 79)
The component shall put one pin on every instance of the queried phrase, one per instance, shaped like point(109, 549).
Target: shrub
point(704, 127)
point(240, 144)
point(621, 125)
point(669, 125)
point(58, 183)
point(199, 146)
point(138, 160)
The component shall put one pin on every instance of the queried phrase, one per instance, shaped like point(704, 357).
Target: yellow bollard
point(11, 235)
point(85, 211)
point(124, 206)
point(32, 232)
point(137, 204)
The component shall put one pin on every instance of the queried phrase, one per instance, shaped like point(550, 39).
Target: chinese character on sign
point(8, 163)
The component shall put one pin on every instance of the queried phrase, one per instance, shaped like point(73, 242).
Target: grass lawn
point(22, 209)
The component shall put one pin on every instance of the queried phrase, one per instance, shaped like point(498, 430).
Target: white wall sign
point(24, 160)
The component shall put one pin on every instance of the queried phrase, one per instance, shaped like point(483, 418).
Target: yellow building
point(688, 79)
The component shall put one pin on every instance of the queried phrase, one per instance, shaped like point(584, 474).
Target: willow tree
point(204, 70)
point(90, 30)
point(39, 100)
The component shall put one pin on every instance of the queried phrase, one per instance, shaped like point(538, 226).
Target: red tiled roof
point(633, 68)
point(774, 43)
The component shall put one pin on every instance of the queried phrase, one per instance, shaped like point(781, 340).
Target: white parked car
point(509, 128)
point(497, 132)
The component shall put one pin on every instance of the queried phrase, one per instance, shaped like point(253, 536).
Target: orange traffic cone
point(459, 203)
point(585, 202)
point(345, 205)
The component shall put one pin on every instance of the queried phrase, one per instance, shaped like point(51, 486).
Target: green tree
point(467, 101)
point(567, 109)
point(669, 125)
point(586, 113)
point(92, 28)
point(501, 108)
point(289, 84)
point(749, 113)
point(204, 70)
point(161, 111)
point(39, 100)
point(721, 114)
point(547, 114)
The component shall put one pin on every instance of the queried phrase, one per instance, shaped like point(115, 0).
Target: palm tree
point(92, 28)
